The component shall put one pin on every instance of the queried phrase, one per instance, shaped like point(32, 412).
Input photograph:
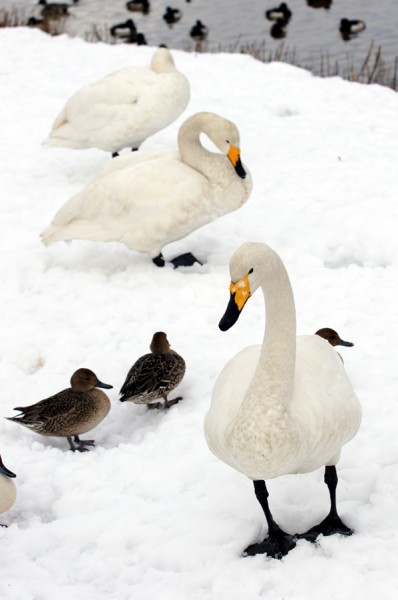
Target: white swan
point(284, 407)
point(147, 200)
point(8, 492)
point(124, 108)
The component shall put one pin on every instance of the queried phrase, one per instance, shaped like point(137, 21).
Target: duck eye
point(228, 142)
point(251, 271)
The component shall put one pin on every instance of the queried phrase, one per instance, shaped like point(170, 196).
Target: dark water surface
point(311, 32)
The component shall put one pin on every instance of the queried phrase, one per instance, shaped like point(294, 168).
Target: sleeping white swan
point(284, 407)
point(124, 108)
point(147, 200)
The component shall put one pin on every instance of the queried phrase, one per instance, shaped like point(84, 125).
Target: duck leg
point(278, 543)
point(80, 445)
point(165, 404)
point(332, 524)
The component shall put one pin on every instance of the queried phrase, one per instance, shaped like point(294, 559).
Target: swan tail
point(77, 230)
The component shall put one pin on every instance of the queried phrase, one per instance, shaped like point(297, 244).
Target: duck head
point(84, 380)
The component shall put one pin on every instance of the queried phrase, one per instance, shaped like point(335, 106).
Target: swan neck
point(274, 376)
point(190, 148)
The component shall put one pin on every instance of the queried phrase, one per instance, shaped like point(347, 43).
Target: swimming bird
point(123, 109)
point(281, 12)
point(123, 30)
point(284, 407)
point(199, 31)
point(154, 375)
point(8, 492)
point(138, 6)
point(349, 27)
point(69, 413)
point(279, 29)
point(172, 15)
point(160, 196)
point(319, 3)
point(332, 337)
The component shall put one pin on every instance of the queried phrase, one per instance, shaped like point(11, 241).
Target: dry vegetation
point(374, 69)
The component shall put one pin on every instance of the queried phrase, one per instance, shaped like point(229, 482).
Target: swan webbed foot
point(159, 260)
point(185, 260)
point(275, 546)
point(114, 154)
point(329, 526)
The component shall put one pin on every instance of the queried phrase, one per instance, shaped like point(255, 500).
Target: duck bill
point(105, 386)
point(239, 295)
point(5, 471)
point(343, 343)
point(234, 157)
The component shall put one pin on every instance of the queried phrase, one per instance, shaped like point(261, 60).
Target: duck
point(172, 15)
point(349, 27)
point(160, 196)
point(69, 413)
point(8, 491)
point(123, 109)
point(138, 6)
point(281, 12)
point(279, 29)
point(331, 336)
point(123, 30)
point(283, 407)
point(199, 31)
point(153, 376)
point(53, 10)
point(319, 3)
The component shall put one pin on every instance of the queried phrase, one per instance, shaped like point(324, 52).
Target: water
point(311, 32)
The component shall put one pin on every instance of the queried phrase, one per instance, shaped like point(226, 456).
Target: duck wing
point(44, 414)
point(153, 375)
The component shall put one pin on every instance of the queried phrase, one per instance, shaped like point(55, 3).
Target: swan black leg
point(159, 260)
point(114, 154)
point(278, 543)
point(332, 524)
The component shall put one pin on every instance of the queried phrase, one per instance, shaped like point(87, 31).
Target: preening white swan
point(147, 200)
point(124, 108)
point(284, 407)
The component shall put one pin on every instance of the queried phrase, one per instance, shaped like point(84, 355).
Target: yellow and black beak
point(234, 157)
point(239, 295)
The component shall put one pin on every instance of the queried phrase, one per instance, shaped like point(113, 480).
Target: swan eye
point(251, 271)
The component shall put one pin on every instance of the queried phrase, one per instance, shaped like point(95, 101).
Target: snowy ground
point(150, 513)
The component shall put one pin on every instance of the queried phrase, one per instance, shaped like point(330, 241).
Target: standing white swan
point(124, 108)
point(284, 407)
point(147, 200)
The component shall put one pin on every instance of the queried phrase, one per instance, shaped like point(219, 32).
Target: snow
point(150, 512)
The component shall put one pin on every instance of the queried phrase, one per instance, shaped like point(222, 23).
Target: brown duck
point(332, 337)
point(71, 412)
point(154, 375)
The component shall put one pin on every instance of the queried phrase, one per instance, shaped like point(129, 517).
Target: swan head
point(225, 136)
point(162, 61)
point(250, 266)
